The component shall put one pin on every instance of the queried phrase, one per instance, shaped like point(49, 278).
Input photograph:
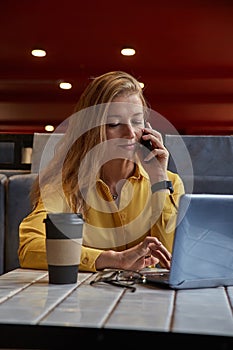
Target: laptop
point(202, 254)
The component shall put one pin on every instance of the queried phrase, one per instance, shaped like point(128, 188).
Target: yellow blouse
point(108, 226)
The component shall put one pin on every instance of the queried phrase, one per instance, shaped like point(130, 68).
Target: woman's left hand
point(155, 162)
point(149, 252)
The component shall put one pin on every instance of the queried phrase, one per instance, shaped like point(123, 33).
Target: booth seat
point(17, 207)
point(40, 141)
point(205, 163)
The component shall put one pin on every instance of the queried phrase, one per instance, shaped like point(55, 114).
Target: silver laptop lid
point(203, 246)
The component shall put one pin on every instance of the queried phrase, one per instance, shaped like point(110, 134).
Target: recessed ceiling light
point(38, 53)
point(49, 128)
point(64, 85)
point(128, 51)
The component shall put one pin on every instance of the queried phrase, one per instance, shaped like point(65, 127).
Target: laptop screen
point(203, 244)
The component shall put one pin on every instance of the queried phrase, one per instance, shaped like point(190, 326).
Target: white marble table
point(35, 314)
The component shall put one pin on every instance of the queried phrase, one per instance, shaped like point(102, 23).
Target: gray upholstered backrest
point(18, 204)
point(3, 180)
point(17, 207)
point(210, 166)
point(39, 142)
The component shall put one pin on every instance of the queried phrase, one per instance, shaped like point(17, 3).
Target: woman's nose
point(129, 131)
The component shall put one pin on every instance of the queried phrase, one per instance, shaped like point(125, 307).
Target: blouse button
point(85, 260)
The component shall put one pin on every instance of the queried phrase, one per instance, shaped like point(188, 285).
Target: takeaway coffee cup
point(63, 246)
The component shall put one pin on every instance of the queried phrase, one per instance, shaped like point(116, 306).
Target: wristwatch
point(162, 185)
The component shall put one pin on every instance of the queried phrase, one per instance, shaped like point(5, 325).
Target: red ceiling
point(184, 57)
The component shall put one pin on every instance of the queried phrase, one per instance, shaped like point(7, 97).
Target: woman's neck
point(114, 173)
point(117, 169)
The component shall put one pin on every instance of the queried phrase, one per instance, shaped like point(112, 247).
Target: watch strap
point(162, 185)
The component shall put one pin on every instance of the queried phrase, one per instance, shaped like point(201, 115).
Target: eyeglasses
point(120, 278)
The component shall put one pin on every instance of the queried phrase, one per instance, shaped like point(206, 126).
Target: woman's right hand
point(147, 253)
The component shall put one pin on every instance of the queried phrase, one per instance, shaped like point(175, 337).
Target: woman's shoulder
point(176, 181)
point(173, 176)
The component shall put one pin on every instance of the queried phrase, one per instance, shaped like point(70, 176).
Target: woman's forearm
point(108, 259)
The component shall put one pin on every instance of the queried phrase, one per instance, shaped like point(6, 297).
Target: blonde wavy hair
point(71, 150)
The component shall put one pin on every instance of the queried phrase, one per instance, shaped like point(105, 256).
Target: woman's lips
point(128, 147)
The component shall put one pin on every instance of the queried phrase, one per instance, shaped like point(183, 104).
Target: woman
point(101, 169)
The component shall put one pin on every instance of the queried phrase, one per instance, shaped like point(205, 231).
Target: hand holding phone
point(146, 143)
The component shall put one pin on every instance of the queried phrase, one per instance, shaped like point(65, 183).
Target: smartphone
point(147, 143)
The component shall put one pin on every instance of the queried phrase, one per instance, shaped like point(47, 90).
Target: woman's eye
point(138, 122)
point(112, 125)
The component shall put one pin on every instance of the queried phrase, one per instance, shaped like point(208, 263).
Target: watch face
point(170, 187)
